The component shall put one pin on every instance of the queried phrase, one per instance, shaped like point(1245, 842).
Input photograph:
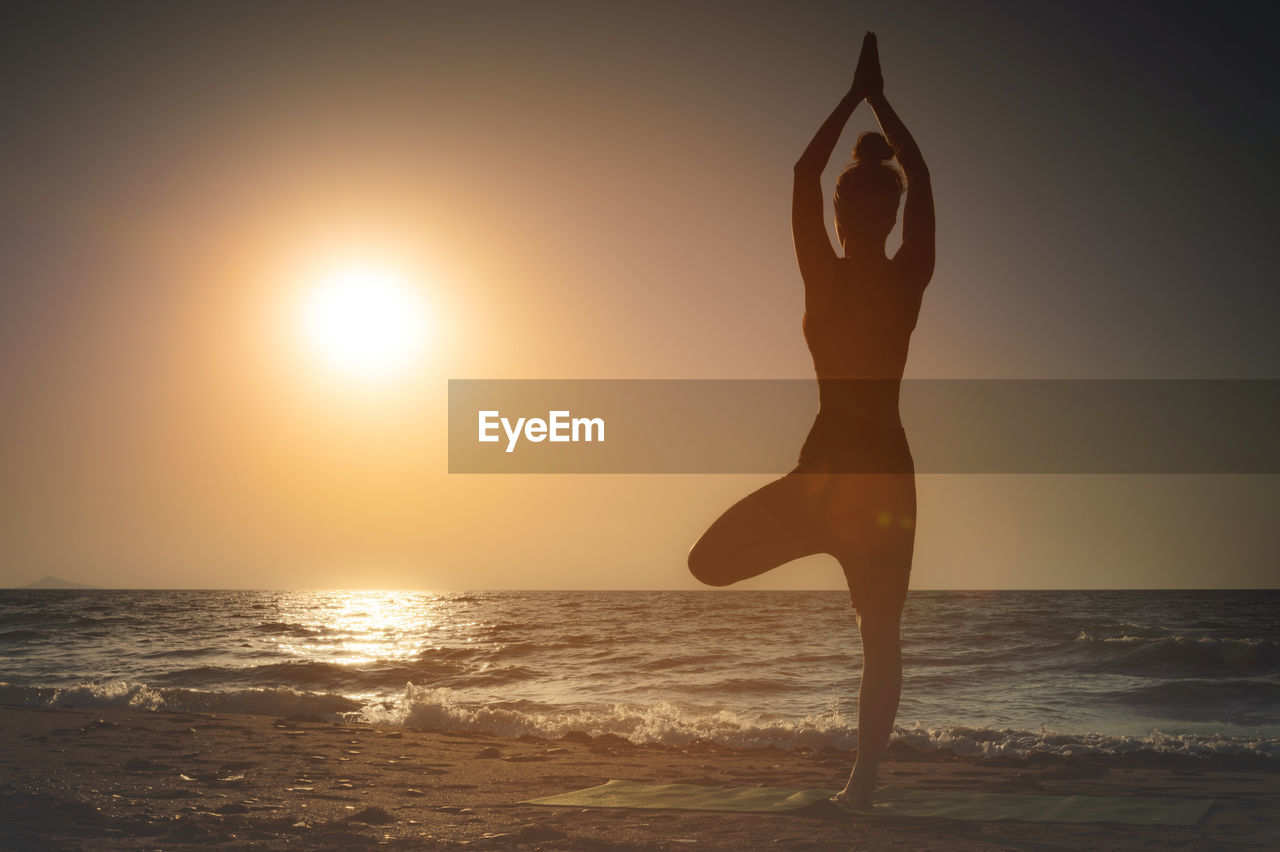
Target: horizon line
point(92, 588)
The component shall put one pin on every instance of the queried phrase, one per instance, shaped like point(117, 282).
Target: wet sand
point(133, 779)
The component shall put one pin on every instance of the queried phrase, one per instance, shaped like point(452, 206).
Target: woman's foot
point(849, 798)
point(857, 793)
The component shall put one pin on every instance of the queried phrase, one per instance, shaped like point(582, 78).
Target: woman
point(853, 493)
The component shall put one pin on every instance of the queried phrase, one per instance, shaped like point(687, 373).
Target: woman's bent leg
point(763, 530)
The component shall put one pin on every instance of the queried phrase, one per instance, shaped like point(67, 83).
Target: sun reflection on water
point(360, 627)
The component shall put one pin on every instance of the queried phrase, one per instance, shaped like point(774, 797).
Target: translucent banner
point(952, 425)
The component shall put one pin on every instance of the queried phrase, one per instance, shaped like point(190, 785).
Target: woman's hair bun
point(872, 147)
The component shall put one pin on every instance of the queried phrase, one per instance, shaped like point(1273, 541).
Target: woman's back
point(859, 317)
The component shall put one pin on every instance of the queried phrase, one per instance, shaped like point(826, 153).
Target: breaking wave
point(280, 701)
point(440, 708)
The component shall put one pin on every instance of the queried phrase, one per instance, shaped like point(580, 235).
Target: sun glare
point(364, 320)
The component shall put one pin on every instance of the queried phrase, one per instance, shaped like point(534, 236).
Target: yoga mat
point(893, 801)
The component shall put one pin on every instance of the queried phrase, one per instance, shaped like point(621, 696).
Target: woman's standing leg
point(876, 553)
point(877, 701)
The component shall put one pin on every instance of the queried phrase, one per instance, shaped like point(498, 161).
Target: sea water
point(998, 673)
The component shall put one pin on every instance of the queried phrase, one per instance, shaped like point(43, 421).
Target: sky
point(591, 190)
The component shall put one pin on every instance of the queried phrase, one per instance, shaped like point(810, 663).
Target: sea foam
point(662, 723)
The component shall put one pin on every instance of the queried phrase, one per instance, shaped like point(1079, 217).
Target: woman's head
point(868, 190)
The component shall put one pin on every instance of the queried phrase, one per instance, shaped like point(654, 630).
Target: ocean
point(990, 673)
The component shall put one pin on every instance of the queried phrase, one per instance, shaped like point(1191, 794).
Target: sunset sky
point(594, 190)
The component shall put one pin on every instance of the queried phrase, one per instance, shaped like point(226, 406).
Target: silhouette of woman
point(852, 494)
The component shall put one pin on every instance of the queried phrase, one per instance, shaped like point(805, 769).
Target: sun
point(364, 320)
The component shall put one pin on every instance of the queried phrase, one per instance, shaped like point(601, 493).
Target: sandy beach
point(119, 779)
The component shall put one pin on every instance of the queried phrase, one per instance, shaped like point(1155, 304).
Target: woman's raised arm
point(917, 211)
point(808, 229)
point(917, 249)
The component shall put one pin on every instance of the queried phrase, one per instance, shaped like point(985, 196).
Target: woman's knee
point(705, 566)
point(881, 632)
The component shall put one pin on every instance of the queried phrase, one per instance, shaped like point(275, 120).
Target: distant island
point(51, 582)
